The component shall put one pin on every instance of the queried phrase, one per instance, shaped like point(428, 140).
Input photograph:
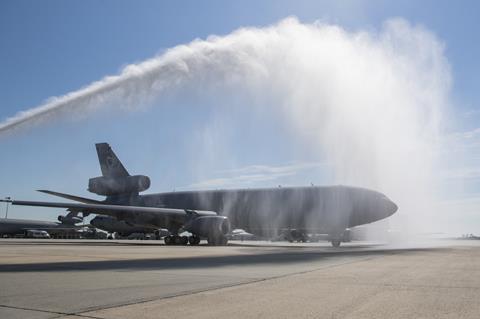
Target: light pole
point(7, 200)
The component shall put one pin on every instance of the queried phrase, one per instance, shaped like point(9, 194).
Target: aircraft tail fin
point(109, 163)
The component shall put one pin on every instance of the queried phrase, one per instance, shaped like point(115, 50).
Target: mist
point(371, 103)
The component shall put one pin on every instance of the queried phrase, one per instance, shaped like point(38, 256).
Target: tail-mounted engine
point(108, 186)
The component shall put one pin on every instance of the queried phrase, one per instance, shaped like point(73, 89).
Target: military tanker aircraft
point(211, 214)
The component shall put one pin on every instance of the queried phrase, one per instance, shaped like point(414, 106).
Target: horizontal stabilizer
point(71, 197)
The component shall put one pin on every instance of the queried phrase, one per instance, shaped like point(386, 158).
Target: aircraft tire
point(194, 240)
point(177, 240)
point(168, 240)
point(184, 240)
point(336, 243)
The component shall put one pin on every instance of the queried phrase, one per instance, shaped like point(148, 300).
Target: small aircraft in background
point(26, 227)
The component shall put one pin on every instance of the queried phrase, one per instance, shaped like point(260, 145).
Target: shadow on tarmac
point(274, 258)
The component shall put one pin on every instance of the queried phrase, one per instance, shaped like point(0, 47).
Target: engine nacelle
point(70, 220)
point(209, 226)
point(114, 186)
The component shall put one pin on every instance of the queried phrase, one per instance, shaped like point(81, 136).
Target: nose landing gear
point(336, 243)
point(337, 238)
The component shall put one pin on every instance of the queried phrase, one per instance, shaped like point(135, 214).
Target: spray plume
point(370, 102)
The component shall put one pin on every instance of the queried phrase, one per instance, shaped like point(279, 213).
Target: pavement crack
point(37, 310)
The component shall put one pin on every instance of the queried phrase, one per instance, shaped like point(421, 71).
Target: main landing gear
point(181, 240)
point(194, 240)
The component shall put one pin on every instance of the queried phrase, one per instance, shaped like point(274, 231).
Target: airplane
point(12, 227)
point(211, 214)
point(112, 225)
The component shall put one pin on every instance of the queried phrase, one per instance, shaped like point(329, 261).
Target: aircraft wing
point(114, 210)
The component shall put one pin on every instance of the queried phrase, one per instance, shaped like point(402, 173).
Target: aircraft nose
point(391, 207)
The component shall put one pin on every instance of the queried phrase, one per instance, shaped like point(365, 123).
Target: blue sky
point(50, 48)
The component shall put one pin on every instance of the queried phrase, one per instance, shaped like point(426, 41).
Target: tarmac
point(146, 279)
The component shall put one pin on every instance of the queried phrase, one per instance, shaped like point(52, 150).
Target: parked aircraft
point(12, 227)
point(212, 213)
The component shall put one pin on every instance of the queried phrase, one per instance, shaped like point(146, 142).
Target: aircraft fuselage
point(10, 226)
point(324, 209)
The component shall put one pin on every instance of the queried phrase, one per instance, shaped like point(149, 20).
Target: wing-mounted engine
point(108, 186)
point(214, 228)
point(70, 219)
